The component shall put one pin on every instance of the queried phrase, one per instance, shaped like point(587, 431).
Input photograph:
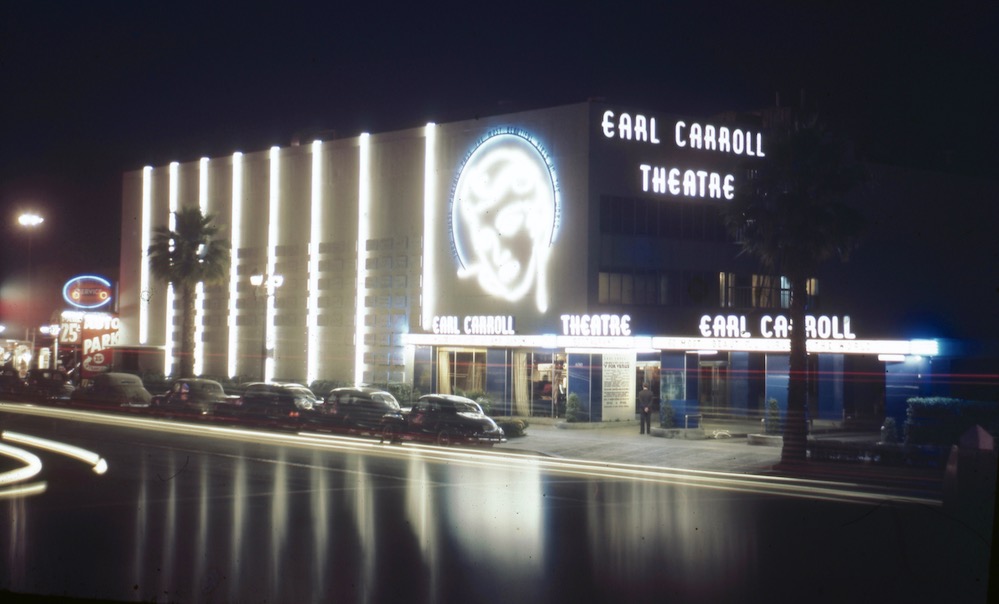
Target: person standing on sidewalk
point(645, 408)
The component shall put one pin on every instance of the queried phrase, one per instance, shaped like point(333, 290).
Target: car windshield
point(302, 393)
point(388, 399)
point(466, 407)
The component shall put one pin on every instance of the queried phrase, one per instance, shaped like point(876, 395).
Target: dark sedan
point(11, 382)
point(445, 419)
point(47, 385)
point(117, 389)
point(193, 395)
point(358, 409)
point(271, 402)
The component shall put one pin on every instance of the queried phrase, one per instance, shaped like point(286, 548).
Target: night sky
point(94, 89)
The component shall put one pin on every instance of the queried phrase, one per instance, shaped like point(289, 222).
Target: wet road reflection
point(187, 518)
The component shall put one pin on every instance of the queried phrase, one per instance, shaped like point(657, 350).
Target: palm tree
point(791, 217)
point(185, 257)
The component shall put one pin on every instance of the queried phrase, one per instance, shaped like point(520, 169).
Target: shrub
point(572, 410)
point(772, 422)
point(513, 427)
point(322, 387)
point(404, 393)
point(942, 421)
point(483, 399)
point(889, 431)
point(667, 415)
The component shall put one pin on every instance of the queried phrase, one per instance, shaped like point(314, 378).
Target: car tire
point(445, 438)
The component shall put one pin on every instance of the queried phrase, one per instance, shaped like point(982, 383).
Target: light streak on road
point(99, 464)
point(34, 488)
point(32, 465)
point(755, 484)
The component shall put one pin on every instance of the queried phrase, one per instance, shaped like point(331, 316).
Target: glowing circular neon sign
point(87, 292)
point(504, 208)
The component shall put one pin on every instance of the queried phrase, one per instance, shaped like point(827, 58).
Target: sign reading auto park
point(87, 292)
point(94, 333)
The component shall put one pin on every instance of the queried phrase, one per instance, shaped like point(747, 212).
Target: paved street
point(189, 513)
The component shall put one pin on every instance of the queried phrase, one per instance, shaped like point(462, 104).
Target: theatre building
point(577, 249)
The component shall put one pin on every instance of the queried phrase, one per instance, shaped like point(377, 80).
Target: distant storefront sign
point(87, 292)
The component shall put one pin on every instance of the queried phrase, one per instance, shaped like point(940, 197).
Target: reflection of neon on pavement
point(724, 481)
point(503, 214)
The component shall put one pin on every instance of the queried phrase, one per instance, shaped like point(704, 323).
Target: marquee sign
point(87, 292)
point(821, 327)
point(687, 178)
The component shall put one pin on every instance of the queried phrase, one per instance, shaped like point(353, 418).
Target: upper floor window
point(662, 219)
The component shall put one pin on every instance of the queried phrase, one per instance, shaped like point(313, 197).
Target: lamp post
point(267, 284)
point(30, 221)
point(53, 330)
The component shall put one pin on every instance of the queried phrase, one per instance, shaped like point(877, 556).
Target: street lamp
point(30, 221)
point(268, 284)
point(53, 330)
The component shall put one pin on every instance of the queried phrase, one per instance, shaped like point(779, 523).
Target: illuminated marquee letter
point(608, 124)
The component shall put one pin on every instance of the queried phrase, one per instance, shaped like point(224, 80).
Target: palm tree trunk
point(186, 364)
point(795, 429)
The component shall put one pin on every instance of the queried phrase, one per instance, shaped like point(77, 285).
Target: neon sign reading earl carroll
point(488, 325)
point(679, 181)
point(87, 292)
point(736, 326)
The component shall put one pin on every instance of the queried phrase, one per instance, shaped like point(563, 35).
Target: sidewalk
point(721, 445)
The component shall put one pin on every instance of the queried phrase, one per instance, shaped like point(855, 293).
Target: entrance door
point(647, 374)
point(713, 391)
point(539, 383)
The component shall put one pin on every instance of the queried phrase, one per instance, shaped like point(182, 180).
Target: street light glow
point(29, 219)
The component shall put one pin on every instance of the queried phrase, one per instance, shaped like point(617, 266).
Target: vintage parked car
point(11, 382)
point(47, 385)
point(193, 395)
point(273, 402)
point(445, 419)
point(117, 389)
point(359, 409)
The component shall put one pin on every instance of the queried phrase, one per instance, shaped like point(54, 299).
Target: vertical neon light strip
point(144, 295)
point(236, 226)
point(168, 342)
point(315, 235)
point(199, 292)
point(428, 289)
point(363, 207)
point(272, 237)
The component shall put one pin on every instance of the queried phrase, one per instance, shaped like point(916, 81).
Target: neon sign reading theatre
point(679, 181)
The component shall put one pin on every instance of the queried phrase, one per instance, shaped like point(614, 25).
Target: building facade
point(572, 250)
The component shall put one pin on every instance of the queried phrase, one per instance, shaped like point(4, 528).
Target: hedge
point(941, 420)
